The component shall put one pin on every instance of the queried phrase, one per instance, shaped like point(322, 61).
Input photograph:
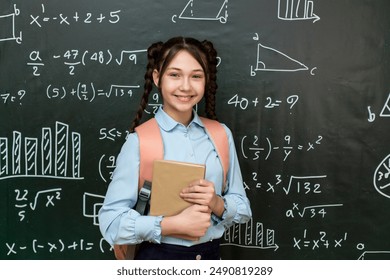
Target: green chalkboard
point(303, 85)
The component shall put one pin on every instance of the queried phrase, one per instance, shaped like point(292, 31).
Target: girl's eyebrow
point(178, 69)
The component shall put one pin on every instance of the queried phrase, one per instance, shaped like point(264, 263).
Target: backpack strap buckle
point(143, 197)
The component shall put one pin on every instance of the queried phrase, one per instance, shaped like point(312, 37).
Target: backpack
point(151, 150)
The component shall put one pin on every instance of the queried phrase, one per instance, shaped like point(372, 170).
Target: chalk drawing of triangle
point(188, 11)
point(269, 59)
point(386, 108)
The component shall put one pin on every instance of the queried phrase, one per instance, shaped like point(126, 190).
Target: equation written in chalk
point(252, 147)
point(38, 246)
point(26, 201)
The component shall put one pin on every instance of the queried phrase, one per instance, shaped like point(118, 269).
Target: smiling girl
point(184, 71)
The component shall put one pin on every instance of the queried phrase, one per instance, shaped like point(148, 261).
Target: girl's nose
point(185, 84)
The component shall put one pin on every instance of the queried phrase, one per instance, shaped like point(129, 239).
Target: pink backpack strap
point(151, 148)
point(220, 140)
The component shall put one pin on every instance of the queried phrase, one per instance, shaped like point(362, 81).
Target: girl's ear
point(156, 77)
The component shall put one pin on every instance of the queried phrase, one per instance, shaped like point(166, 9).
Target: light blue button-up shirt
point(120, 224)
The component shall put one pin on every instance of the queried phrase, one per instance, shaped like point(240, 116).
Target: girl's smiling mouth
point(184, 98)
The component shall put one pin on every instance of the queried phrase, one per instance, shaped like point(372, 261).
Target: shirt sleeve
point(118, 222)
point(237, 205)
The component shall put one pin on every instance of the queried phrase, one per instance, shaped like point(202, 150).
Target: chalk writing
point(49, 196)
point(59, 245)
point(12, 97)
point(130, 54)
point(318, 241)
point(60, 60)
point(106, 167)
point(243, 103)
point(8, 21)
point(152, 107)
point(270, 186)
point(385, 112)
point(109, 134)
point(217, 11)
point(35, 62)
point(371, 115)
point(56, 151)
point(297, 184)
point(74, 57)
point(42, 19)
point(87, 92)
point(304, 184)
point(255, 150)
point(311, 211)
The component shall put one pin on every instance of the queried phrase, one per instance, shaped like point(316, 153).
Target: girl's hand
point(192, 223)
point(202, 192)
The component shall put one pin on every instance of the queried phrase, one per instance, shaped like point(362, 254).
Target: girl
point(184, 71)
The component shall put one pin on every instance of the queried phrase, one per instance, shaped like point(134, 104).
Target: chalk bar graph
point(55, 154)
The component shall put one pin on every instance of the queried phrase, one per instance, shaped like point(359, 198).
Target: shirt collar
point(167, 123)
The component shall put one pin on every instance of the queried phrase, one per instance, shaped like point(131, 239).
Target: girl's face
point(182, 86)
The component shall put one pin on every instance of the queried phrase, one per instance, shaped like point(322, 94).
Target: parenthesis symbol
point(101, 245)
point(109, 53)
point(47, 91)
point(78, 90)
point(173, 18)
point(270, 147)
point(83, 58)
point(242, 147)
point(93, 91)
point(64, 90)
point(100, 168)
point(219, 60)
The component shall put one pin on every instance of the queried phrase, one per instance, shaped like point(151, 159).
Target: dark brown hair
point(161, 54)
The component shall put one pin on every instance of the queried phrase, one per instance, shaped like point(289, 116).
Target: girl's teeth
point(184, 98)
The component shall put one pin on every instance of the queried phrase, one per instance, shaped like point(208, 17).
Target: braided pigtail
point(153, 55)
point(211, 90)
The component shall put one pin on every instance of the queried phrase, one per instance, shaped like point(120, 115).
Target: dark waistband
point(210, 245)
point(208, 250)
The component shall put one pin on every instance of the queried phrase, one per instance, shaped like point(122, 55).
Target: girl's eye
point(173, 74)
point(198, 76)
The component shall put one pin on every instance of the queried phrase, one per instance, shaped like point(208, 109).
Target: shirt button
point(198, 257)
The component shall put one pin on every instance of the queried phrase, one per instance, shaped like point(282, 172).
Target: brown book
point(169, 178)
